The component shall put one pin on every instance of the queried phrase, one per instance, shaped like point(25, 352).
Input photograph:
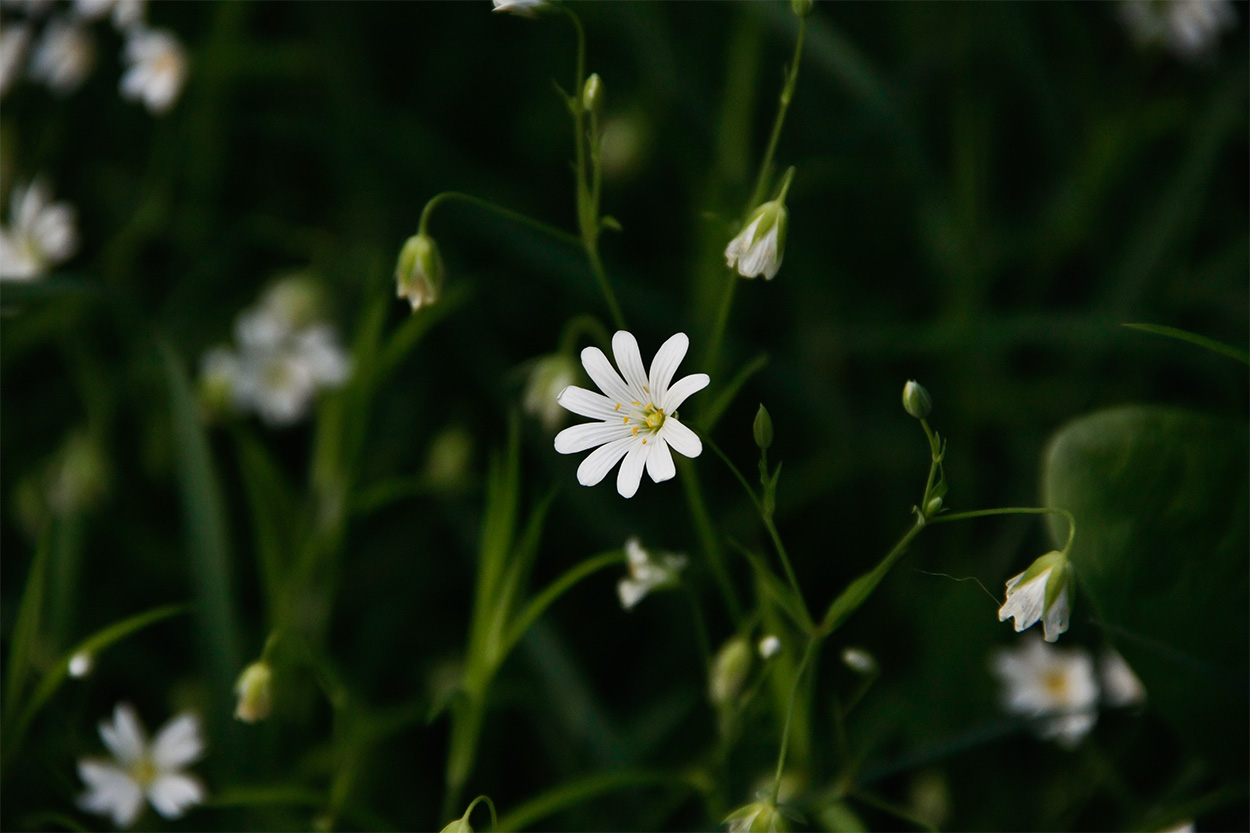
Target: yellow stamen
point(618, 406)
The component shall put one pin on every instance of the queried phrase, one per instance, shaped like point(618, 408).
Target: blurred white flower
point(548, 376)
point(125, 13)
point(1190, 29)
point(769, 647)
point(521, 8)
point(1044, 592)
point(647, 573)
point(760, 246)
point(63, 57)
point(14, 41)
point(1055, 685)
point(1120, 686)
point(80, 665)
point(157, 71)
point(140, 769)
point(638, 416)
point(760, 817)
point(40, 234)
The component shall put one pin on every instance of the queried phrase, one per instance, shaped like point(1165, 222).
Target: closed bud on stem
point(763, 429)
point(592, 93)
point(729, 671)
point(255, 692)
point(801, 8)
point(759, 817)
point(419, 272)
point(933, 507)
point(916, 400)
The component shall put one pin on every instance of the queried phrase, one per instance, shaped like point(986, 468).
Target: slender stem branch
point(1014, 510)
point(707, 537)
point(555, 590)
point(601, 276)
point(812, 643)
point(487, 205)
point(787, 93)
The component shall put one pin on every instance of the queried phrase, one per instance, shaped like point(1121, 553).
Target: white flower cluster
point(1058, 687)
point(40, 233)
point(285, 355)
point(63, 53)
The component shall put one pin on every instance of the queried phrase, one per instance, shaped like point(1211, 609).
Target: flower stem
point(555, 590)
point(487, 205)
point(1014, 510)
point(813, 642)
point(707, 537)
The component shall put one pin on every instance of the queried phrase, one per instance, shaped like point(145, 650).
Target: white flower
point(14, 40)
point(638, 415)
point(126, 13)
point(41, 233)
point(140, 769)
point(158, 68)
point(1041, 592)
point(548, 376)
point(760, 246)
point(647, 573)
point(521, 8)
point(769, 647)
point(1056, 685)
point(1190, 29)
point(1120, 686)
point(64, 56)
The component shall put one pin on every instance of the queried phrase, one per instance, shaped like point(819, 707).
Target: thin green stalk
point(857, 592)
point(596, 265)
point(813, 642)
point(584, 789)
point(1014, 510)
point(787, 93)
point(487, 205)
point(539, 604)
point(707, 537)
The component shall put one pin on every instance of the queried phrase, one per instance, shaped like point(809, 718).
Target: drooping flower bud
point(758, 817)
point(1041, 592)
point(255, 692)
point(760, 246)
point(419, 272)
point(916, 400)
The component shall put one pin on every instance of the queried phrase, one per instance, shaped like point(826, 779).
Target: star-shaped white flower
point(140, 769)
point(1041, 592)
point(637, 416)
point(1055, 684)
point(158, 69)
point(647, 573)
point(41, 233)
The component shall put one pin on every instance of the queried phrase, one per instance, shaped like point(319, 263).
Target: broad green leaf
point(1160, 499)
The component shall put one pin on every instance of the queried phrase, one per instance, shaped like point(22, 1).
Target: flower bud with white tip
point(916, 400)
point(760, 246)
point(801, 8)
point(1041, 592)
point(548, 376)
point(521, 8)
point(769, 647)
point(859, 661)
point(592, 93)
point(81, 664)
point(255, 692)
point(729, 671)
point(419, 272)
point(758, 817)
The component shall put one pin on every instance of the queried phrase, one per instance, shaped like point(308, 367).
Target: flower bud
point(801, 8)
point(81, 664)
point(760, 246)
point(592, 94)
point(769, 647)
point(759, 817)
point(916, 400)
point(933, 507)
point(859, 660)
point(419, 272)
point(255, 692)
point(460, 825)
point(763, 428)
point(548, 376)
point(729, 671)
point(1042, 592)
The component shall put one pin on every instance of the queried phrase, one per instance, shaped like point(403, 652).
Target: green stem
point(494, 819)
point(787, 93)
point(585, 789)
point(1014, 510)
point(812, 643)
point(707, 537)
point(601, 276)
point(858, 591)
point(487, 205)
point(555, 590)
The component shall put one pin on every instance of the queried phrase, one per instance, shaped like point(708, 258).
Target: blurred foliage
point(984, 194)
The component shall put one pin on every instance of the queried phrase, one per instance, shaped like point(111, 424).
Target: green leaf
point(1160, 499)
point(26, 630)
point(1193, 338)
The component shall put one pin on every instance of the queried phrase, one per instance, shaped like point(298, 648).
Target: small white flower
point(1120, 686)
point(1055, 685)
point(140, 769)
point(158, 69)
point(769, 647)
point(1190, 29)
point(548, 376)
point(80, 665)
point(64, 56)
point(14, 41)
point(520, 8)
point(638, 416)
point(1044, 591)
point(41, 233)
point(647, 573)
point(760, 246)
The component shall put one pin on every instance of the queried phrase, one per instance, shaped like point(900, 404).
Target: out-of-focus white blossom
point(14, 41)
point(81, 664)
point(859, 660)
point(1056, 686)
point(40, 233)
point(769, 647)
point(140, 769)
point(125, 13)
point(1120, 686)
point(548, 376)
point(1189, 29)
point(157, 68)
point(63, 57)
point(647, 572)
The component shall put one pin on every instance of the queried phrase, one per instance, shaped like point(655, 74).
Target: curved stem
point(787, 93)
point(494, 819)
point(579, 325)
point(812, 643)
point(487, 205)
point(1014, 510)
point(555, 590)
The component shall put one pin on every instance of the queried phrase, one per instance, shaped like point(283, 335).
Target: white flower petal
point(178, 743)
point(589, 404)
point(1055, 620)
point(173, 793)
point(665, 363)
point(111, 792)
point(635, 554)
point(741, 243)
point(124, 736)
point(684, 441)
point(660, 462)
point(631, 592)
point(600, 461)
point(577, 438)
point(630, 475)
point(683, 388)
point(605, 376)
point(1025, 601)
point(629, 360)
